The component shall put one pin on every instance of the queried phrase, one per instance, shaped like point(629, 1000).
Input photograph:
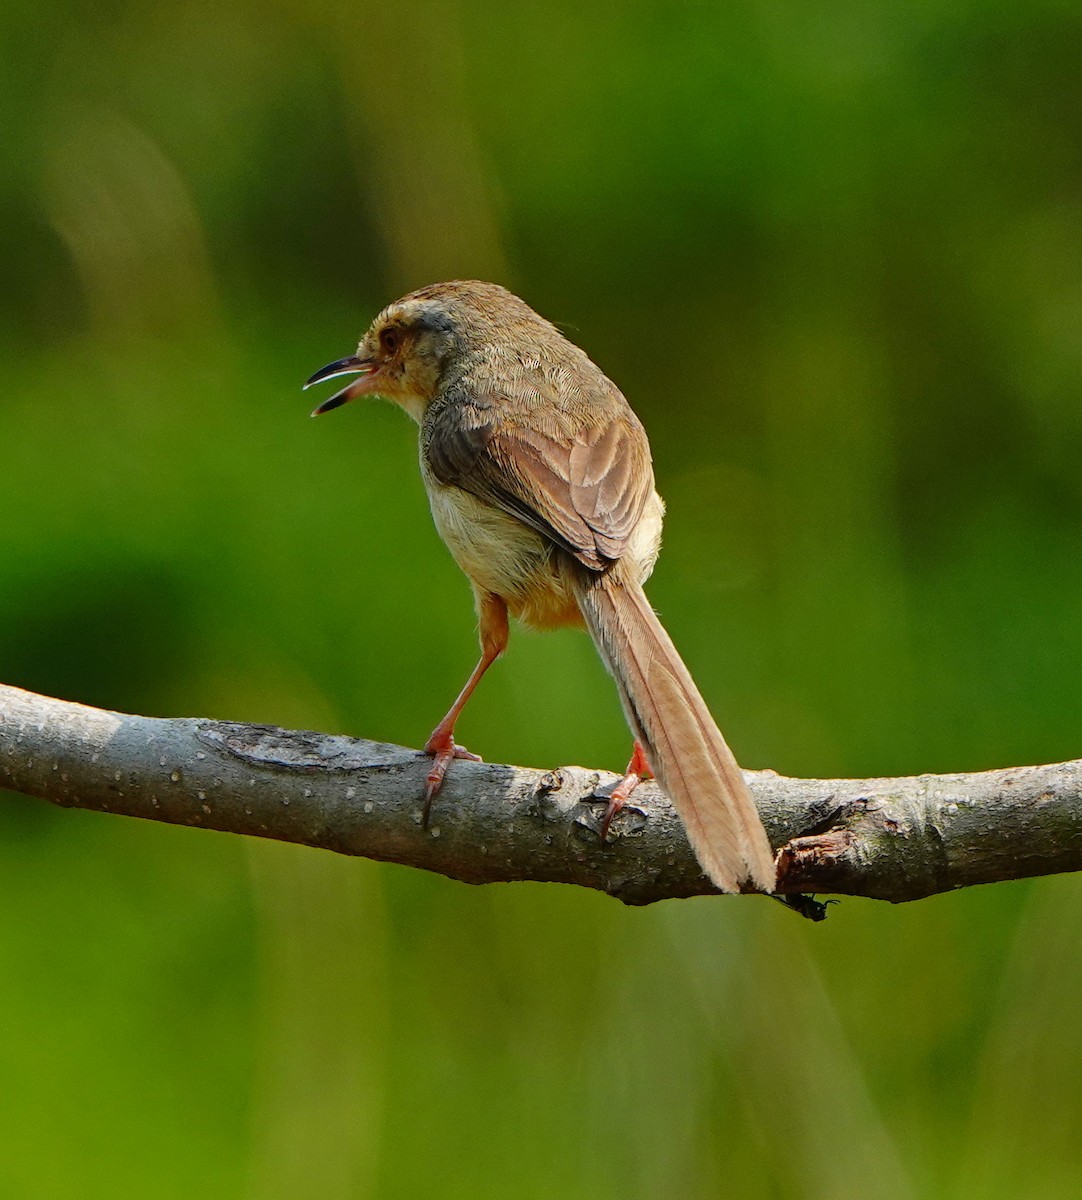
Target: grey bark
point(890, 839)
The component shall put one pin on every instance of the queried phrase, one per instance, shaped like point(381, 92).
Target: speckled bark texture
point(891, 839)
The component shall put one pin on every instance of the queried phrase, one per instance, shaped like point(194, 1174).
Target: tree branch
point(890, 839)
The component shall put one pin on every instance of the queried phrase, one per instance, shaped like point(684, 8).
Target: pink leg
point(637, 770)
point(493, 614)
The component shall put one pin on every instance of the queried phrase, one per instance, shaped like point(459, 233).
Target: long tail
point(684, 746)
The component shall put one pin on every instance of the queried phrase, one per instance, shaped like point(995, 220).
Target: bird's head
point(416, 343)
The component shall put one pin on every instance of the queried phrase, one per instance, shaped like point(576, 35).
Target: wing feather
point(572, 463)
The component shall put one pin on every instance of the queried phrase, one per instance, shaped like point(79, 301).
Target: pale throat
point(399, 392)
point(411, 387)
point(413, 404)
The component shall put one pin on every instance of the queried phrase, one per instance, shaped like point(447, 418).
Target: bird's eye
point(389, 340)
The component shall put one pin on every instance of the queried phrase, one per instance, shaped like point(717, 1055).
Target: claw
point(618, 799)
point(610, 812)
point(443, 754)
point(637, 770)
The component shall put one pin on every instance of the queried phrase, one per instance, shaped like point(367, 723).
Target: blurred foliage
point(833, 257)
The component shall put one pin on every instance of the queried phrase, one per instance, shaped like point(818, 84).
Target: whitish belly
point(502, 556)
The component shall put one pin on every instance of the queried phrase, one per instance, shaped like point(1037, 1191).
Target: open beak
point(352, 365)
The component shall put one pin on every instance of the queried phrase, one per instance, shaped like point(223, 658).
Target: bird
point(540, 481)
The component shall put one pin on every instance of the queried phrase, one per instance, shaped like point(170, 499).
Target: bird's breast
point(502, 556)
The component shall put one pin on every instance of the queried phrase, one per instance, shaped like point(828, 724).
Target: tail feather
point(685, 748)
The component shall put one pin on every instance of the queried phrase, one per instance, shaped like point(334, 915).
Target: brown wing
point(575, 467)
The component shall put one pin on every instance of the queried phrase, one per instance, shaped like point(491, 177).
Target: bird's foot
point(617, 799)
point(638, 769)
point(441, 745)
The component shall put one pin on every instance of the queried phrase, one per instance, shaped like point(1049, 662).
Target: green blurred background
point(833, 255)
